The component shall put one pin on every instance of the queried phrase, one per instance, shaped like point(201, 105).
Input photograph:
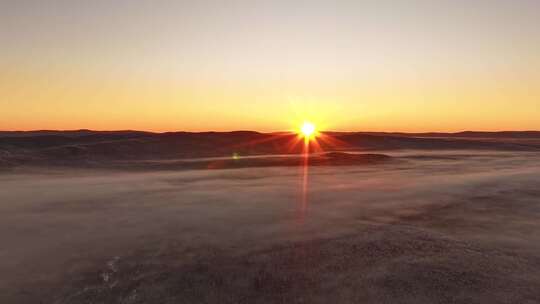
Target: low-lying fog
point(445, 227)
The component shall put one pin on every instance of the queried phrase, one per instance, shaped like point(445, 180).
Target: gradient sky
point(417, 65)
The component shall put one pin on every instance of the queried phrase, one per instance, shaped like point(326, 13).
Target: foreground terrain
point(419, 227)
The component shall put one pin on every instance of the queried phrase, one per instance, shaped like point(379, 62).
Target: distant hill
point(133, 133)
point(465, 134)
point(86, 146)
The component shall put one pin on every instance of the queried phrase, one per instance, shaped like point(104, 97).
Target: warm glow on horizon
point(389, 65)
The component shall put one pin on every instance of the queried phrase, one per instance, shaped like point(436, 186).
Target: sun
point(308, 129)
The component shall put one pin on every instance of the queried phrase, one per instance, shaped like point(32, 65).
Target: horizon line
point(261, 132)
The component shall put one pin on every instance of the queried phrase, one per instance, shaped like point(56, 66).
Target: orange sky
point(346, 65)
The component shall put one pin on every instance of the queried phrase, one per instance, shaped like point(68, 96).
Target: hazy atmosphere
point(244, 235)
point(164, 152)
point(163, 65)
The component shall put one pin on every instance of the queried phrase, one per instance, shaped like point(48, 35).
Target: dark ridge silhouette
point(71, 133)
point(463, 134)
point(85, 146)
point(466, 134)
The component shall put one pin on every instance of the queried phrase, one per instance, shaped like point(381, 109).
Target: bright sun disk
point(308, 129)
